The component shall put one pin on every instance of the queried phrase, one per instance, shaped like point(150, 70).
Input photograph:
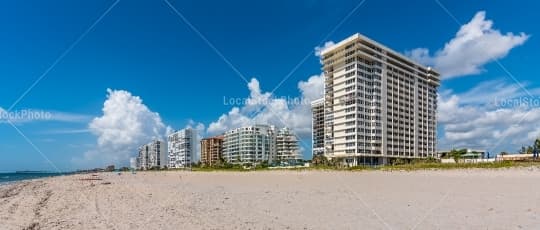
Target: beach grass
point(487, 165)
point(401, 167)
point(405, 167)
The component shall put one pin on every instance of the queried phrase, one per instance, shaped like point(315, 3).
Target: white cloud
point(313, 88)
point(69, 117)
point(497, 120)
point(474, 45)
point(327, 45)
point(126, 123)
point(294, 113)
point(64, 131)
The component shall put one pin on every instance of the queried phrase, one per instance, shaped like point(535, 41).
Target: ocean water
point(10, 177)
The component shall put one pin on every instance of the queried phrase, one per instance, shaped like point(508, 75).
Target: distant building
point(211, 150)
point(133, 162)
point(251, 144)
point(287, 146)
point(469, 153)
point(515, 157)
point(152, 155)
point(181, 146)
point(317, 110)
point(110, 168)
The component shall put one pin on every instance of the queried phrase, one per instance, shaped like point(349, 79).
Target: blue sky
point(147, 50)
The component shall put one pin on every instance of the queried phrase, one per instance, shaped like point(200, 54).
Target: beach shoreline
point(304, 199)
point(13, 177)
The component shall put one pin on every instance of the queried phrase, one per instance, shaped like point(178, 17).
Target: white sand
point(464, 199)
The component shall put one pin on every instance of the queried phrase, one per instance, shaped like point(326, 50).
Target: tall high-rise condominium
point(287, 147)
point(317, 109)
point(181, 145)
point(152, 155)
point(211, 150)
point(379, 105)
point(250, 144)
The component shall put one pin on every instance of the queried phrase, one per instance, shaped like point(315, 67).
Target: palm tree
point(536, 148)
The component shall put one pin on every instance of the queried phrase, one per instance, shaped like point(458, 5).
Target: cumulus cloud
point(126, 123)
point(474, 45)
point(313, 88)
point(320, 49)
point(265, 108)
point(495, 120)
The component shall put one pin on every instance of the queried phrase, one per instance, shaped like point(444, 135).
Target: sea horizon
point(16, 176)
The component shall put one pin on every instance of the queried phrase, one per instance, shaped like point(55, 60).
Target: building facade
point(152, 155)
point(379, 105)
point(251, 144)
point(133, 162)
point(181, 146)
point(212, 150)
point(317, 127)
point(287, 148)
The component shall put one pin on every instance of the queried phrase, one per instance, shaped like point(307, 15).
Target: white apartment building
point(317, 126)
point(287, 147)
point(181, 146)
point(133, 162)
point(250, 144)
point(379, 105)
point(152, 155)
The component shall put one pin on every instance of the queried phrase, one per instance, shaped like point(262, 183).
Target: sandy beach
point(454, 199)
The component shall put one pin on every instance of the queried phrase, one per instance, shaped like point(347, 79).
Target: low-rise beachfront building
point(211, 150)
point(251, 144)
point(181, 147)
point(152, 155)
point(287, 148)
point(515, 157)
point(468, 153)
